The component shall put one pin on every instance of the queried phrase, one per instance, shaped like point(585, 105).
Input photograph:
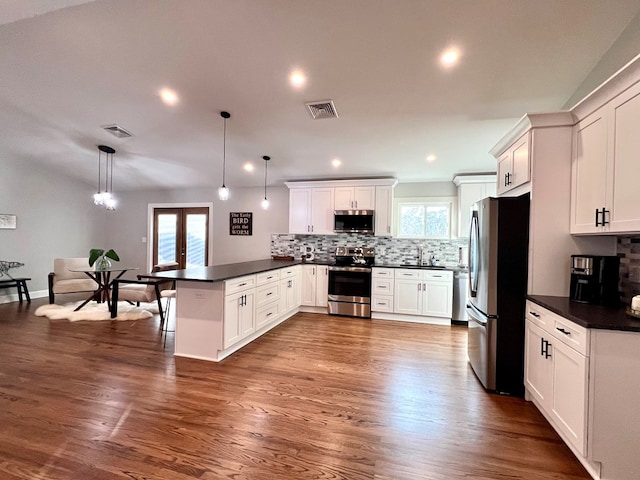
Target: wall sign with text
point(240, 223)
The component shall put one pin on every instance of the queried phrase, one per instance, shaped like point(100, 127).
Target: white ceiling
point(68, 67)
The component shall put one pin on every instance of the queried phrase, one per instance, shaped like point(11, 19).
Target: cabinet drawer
point(377, 272)
point(267, 293)
point(539, 316)
point(571, 334)
point(382, 303)
point(383, 286)
point(239, 284)
point(267, 277)
point(289, 272)
point(405, 274)
point(267, 314)
point(438, 275)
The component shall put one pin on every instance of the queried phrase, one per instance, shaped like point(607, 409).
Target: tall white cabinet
point(471, 188)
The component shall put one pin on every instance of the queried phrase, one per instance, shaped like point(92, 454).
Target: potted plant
point(101, 258)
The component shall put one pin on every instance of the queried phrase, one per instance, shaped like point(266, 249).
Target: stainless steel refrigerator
point(498, 258)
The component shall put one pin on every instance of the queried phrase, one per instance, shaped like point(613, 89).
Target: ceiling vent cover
point(322, 109)
point(117, 131)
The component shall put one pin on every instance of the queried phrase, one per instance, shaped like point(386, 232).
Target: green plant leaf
point(112, 255)
point(94, 254)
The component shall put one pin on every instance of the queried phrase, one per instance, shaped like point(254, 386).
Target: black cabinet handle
point(534, 314)
point(597, 217)
point(541, 346)
point(604, 217)
point(506, 179)
point(546, 350)
point(566, 332)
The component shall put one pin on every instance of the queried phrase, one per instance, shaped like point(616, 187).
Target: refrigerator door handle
point(477, 316)
point(474, 253)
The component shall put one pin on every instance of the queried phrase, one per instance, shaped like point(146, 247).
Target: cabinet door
point(322, 210)
point(299, 209)
point(232, 313)
point(322, 286)
point(247, 314)
point(308, 285)
point(438, 299)
point(343, 198)
point(520, 164)
point(538, 369)
point(588, 172)
point(364, 198)
point(570, 374)
point(624, 195)
point(504, 172)
point(468, 194)
point(383, 209)
point(407, 296)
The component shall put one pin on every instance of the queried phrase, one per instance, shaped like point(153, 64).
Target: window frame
point(449, 202)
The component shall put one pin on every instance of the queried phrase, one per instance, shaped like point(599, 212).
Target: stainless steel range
point(350, 282)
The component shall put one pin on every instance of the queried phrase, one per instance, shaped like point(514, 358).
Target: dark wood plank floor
point(318, 397)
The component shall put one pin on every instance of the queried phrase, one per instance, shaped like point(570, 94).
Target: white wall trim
point(150, 226)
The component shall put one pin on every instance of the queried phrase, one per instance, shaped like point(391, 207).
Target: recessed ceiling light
point(450, 57)
point(336, 162)
point(297, 79)
point(431, 158)
point(169, 97)
point(248, 167)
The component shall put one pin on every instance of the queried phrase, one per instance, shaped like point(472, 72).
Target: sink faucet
point(421, 255)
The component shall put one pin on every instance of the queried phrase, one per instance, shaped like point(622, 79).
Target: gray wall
point(424, 189)
point(128, 224)
point(623, 50)
point(56, 218)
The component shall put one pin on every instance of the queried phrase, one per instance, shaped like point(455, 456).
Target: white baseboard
point(13, 297)
point(411, 318)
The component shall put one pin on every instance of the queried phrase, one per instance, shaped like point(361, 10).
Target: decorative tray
point(633, 313)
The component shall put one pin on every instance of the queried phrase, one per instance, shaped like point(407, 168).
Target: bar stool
point(168, 294)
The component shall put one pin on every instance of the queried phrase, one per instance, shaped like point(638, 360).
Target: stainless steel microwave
point(353, 221)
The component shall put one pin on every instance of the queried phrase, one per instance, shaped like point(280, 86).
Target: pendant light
point(105, 198)
point(265, 202)
point(223, 191)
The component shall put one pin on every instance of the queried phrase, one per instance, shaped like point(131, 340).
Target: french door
point(181, 236)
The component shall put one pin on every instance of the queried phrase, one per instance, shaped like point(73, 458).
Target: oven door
point(350, 291)
point(350, 284)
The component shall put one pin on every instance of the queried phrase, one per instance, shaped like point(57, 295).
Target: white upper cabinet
point(361, 198)
point(311, 210)
point(312, 204)
point(604, 185)
point(471, 188)
point(383, 211)
point(514, 168)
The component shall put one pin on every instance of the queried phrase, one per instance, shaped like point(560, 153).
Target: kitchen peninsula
point(220, 309)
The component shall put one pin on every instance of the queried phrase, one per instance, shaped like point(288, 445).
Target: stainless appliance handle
point(476, 315)
point(350, 269)
point(474, 253)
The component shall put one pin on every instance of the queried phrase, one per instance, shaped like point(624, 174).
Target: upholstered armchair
point(62, 280)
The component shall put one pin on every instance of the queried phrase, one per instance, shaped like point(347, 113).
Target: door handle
point(541, 346)
point(562, 330)
point(534, 314)
point(604, 217)
point(597, 217)
point(546, 350)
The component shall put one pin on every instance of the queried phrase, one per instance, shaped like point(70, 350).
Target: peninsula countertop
point(587, 315)
point(220, 273)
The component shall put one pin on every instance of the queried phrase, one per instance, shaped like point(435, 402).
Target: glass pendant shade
point(105, 198)
point(265, 203)
point(223, 193)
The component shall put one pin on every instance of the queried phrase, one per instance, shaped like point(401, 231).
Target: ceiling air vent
point(117, 131)
point(322, 109)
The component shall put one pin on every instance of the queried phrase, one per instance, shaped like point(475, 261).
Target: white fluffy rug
point(96, 311)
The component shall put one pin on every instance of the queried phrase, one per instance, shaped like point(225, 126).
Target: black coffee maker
point(594, 279)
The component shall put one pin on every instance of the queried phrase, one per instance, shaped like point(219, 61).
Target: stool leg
point(25, 290)
point(19, 288)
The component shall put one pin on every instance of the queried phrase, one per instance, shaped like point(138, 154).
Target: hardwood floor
point(319, 397)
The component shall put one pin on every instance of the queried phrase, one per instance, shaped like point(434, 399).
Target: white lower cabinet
point(423, 292)
point(315, 285)
point(239, 316)
point(382, 289)
point(557, 372)
point(290, 292)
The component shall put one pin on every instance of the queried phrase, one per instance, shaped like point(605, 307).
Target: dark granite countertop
point(223, 272)
point(589, 316)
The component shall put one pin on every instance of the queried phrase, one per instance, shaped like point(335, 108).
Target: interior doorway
point(180, 234)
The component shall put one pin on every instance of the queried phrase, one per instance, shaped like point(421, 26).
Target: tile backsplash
point(388, 250)
point(629, 253)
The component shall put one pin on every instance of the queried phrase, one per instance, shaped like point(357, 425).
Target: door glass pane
point(167, 238)
point(196, 240)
